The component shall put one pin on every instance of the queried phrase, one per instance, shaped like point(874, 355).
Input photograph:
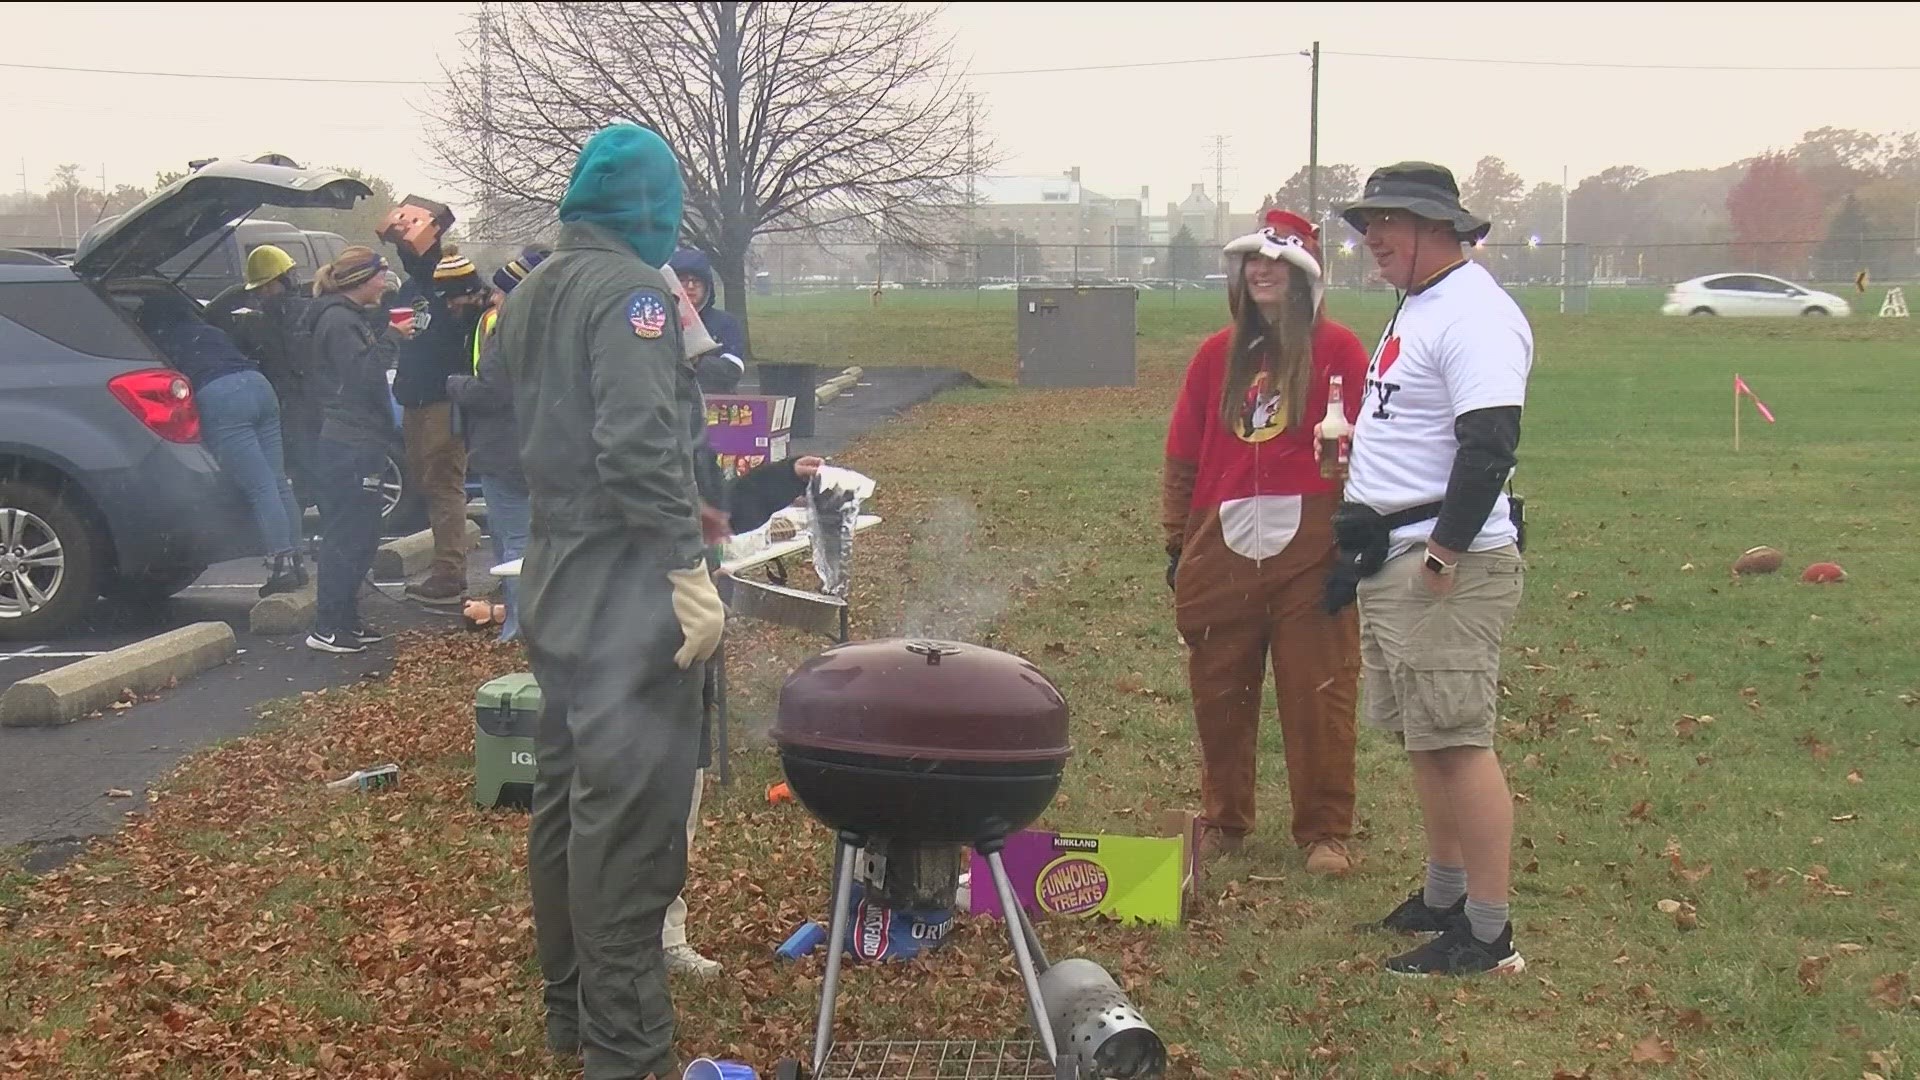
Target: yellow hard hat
point(265, 263)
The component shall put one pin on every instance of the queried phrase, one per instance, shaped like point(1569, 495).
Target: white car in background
point(1750, 294)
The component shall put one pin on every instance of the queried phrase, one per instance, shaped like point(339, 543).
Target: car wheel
point(152, 585)
point(1816, 311)
point(401, 510)
point(49, 560)
point(1701, 311)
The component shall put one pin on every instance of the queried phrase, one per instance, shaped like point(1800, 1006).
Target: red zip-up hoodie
point(1255, 476)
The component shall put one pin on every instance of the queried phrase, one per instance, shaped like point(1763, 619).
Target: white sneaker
point(683, 958)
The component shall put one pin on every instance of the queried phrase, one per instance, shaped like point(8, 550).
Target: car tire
point(152, 585)
point(32, 516)
point(1702, 311)
point(402, 510)
point(1816, 312)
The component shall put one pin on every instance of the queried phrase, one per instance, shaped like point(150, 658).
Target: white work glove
point(696, 603)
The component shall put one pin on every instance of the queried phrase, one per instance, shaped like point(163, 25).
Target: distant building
point(1210, 222)
point(1072, 226)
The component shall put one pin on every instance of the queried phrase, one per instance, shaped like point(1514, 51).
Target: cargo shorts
point(1430, 666)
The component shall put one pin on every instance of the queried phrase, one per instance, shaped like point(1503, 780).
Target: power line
point(218, 75)
point(1143, 64)
point(1123, 66)
point(1621, 66)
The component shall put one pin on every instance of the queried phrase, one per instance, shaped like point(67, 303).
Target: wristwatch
point(1444, 569)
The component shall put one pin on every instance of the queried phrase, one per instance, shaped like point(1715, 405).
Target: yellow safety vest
point(482, 332)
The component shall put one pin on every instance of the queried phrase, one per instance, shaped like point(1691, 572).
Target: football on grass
point(1823, 573)
point(1760, 560)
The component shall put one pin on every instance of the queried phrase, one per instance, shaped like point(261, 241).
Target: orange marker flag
point(1740, 387)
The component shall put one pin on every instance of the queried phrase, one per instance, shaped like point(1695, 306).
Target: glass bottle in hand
point(1335, 435)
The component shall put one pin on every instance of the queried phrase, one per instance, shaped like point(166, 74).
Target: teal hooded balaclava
point(627, 182)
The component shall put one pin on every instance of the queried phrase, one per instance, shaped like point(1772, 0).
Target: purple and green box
point(1143, 879)
point(748, 430)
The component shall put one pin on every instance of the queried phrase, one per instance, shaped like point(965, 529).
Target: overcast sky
point(1125, 128)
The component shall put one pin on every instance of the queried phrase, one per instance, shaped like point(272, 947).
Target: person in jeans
point(263, 315)
point(485, 401)
point(240, 426)
point(447, 297)
point(353, 345)
point(1435, 544)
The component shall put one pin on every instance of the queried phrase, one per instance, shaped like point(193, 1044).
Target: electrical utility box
point(1074, 337)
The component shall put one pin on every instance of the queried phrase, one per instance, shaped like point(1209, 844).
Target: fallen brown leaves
point(1890, 990)
point(1653, 1050)
point(1813, 972)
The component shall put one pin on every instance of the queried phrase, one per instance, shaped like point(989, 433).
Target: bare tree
point(787, 117)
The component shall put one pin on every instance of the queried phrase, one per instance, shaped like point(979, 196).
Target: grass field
point(1749, 749)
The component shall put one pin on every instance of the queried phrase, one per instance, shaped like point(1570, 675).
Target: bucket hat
point(1421, 188)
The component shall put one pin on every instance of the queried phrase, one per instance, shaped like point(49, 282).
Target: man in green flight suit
point(616, 604)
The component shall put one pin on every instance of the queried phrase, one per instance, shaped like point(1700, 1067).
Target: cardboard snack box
point(1130, 879)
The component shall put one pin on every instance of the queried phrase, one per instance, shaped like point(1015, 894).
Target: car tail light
point(162, 400)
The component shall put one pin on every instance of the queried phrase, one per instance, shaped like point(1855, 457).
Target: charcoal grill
point(912, 748)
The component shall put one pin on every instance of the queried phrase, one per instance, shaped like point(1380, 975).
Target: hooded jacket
point(441, 345)
point(717, 377)
point(1255, 472)
point(352, 348)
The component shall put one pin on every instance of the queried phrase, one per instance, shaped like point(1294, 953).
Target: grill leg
point(1016, 929)
point(836, 935)
point(1040, 961)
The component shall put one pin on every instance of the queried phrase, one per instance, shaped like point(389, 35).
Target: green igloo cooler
point(505, 712)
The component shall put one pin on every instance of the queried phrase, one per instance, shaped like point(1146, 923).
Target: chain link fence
point(786, 269)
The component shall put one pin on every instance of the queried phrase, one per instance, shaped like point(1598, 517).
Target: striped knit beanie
point(516, 271)
point(351, 268)
point(455, 274)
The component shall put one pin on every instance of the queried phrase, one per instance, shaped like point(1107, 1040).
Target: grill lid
point(924, 700)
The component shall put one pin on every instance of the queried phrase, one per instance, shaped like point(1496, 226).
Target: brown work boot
point(1328, 857)
point(440, 589)
point(1216, 842)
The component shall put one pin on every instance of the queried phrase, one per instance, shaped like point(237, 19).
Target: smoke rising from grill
point(958, 586)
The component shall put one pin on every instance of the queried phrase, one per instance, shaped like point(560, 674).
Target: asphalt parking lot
point(54, 795)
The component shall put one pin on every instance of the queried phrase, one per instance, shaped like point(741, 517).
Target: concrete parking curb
point(68, 693)
point(284, 613)
point(409, 555)
point(836, 386)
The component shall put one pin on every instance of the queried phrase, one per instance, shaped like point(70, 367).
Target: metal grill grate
point(1004, 1059)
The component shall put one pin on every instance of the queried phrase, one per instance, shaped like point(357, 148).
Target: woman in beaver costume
point(1249, 528)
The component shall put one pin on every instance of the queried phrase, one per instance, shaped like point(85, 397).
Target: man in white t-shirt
point(1434, 446)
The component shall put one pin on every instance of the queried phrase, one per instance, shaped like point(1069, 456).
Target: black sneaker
point(1413, 916)
point(1458, 952)
point(342, 644)
point(288, 575)
point(366, 635)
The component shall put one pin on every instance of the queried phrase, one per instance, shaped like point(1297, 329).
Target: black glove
point(1343, 588)
point(1173, 567)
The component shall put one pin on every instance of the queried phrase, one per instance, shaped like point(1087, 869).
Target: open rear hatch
point(212, 198)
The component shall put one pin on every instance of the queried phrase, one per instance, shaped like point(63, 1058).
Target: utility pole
point(973, 169)
point(1219, 188)
point(1313, 142)
point(484, 227)
point(1563, 239)
point(23, 177)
